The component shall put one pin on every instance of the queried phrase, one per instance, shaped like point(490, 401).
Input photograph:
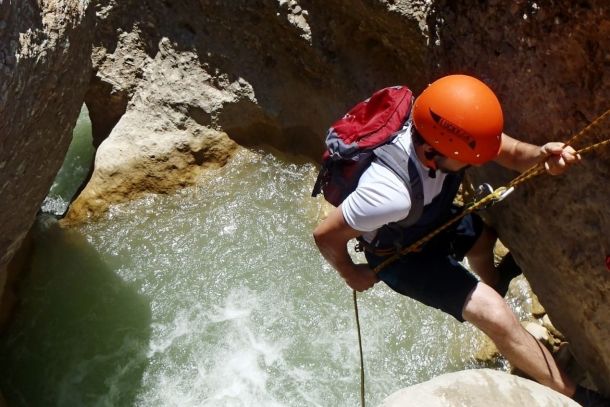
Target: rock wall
point(549, 63)
point(44, 69)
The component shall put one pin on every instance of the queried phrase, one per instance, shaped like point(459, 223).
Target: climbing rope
point(495, 196)
point(360, 348)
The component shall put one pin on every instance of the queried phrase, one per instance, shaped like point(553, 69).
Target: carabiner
point(505, 193)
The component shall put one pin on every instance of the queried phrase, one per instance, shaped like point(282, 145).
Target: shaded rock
point(9, 280)
point(44, 68)
point(548, 65)
point(477, 388)
point(566, 360)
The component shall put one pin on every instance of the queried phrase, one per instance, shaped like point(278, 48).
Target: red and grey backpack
point(362, 135)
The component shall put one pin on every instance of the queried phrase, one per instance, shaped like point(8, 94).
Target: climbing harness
point(492, 197)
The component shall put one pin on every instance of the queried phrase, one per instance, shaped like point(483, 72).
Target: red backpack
point(352, 140)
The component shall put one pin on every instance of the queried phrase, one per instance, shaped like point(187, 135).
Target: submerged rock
point(477, 388)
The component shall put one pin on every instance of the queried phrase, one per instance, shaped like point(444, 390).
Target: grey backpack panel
point(394, 158)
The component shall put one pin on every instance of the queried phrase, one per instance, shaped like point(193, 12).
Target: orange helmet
point(461, 118)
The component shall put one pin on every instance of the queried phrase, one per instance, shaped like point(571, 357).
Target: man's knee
point(485, 309)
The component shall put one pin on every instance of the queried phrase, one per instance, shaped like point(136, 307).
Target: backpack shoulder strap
point(396, 159)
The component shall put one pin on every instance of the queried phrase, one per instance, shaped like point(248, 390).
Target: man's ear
point(429, 151)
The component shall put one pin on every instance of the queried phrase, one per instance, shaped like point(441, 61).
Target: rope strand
point(360, 347)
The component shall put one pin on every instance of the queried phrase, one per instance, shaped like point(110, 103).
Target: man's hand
point(520, 156)
point(559, 157)
point(360, 278)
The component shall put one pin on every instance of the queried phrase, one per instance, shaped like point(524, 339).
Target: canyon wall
point(549, 62)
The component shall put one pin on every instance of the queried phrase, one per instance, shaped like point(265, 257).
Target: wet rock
point(487, 352)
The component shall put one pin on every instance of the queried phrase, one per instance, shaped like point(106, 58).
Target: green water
point(75, 168)
point(214, 296)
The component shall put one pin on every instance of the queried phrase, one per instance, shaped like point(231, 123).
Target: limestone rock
point(546, 322)
point(158, 145)
point(44, 68)
point(499, 251)
point(477, 388)
point(487, 352)
point(170, 84)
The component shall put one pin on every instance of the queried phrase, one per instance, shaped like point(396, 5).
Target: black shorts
point(434, 276)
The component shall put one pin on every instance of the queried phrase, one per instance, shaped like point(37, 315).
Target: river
point(212, 296)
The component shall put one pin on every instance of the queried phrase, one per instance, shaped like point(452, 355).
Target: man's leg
point(481, 257)
point(485, 309)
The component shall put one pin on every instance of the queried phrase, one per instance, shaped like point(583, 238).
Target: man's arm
point(519, 156)
point(331, 237)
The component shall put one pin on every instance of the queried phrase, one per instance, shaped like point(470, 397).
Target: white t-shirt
point(381, 197)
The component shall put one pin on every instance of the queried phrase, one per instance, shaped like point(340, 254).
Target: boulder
point(477, 388)
point(158, 145)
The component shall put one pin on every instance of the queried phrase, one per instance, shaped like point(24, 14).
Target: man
point(456, 122)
